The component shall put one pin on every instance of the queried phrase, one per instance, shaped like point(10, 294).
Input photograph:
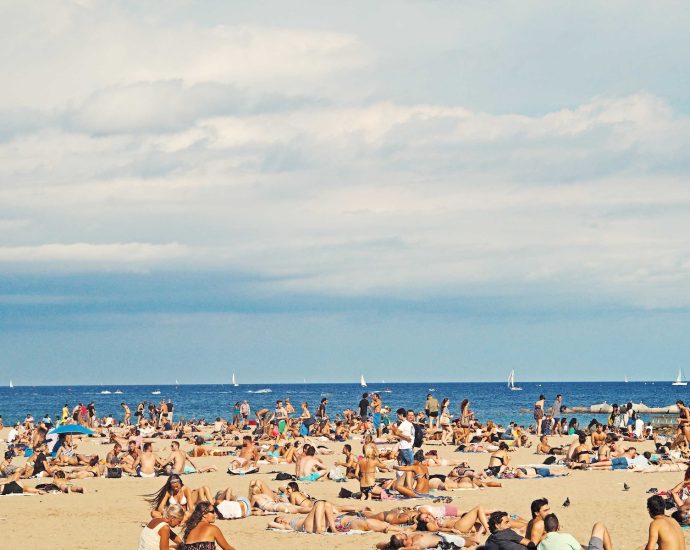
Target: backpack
point(418, 435)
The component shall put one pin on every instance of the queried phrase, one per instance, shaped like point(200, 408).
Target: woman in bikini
point(417, 475)
point(539, 412)
point(499, 459)
point(321, 518)
point(176, 492)
point(444, 420)
point(684, 419)
point(200, 533)
point(396, 516)
point(298, 498)
point(466, 523)
point(461, 477)
point(264, 500)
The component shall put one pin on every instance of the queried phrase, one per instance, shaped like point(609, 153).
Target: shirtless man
point(366, 470)
point(543, 448)
point(128, 414)
point(248, 456)
point(182, 464)
point(349, 462)
point(310, 468)
point(375, 406)
point(146, 463)
point(664, 532)
point(598, 437)
point(535, 527)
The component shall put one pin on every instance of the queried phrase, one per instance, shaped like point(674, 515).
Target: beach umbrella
point(72, 429)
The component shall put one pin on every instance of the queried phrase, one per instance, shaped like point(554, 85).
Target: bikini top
point(173, 500)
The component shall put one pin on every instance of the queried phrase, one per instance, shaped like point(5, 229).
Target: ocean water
point(488, 400)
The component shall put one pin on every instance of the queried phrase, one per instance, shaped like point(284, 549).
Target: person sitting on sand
point(499, 460)
point(366, 469)
point(157, 533)
point(174, 491)
point(200, 533)
point(535, 528)
point(147, 463)
point(416, 476)
point(464, 524)
point(503, 537)
point(664, 532)
point(310, 468)
point(544, 448)
point(555, 540)
point(182, 464)
point(420, 541)
point(349, 462)
point(249, 454)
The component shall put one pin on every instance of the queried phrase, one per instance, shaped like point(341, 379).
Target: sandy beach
point(111, 512)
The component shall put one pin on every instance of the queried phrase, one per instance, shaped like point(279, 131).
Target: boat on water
point(105, 392)
point(118, 392)
point(234, 380)
point(156, 392)
point(11, 384)
point(264, 390)
point(679, 379)
point(511, 382)
point(177, 382)
point(362, 381)
point(625, 379)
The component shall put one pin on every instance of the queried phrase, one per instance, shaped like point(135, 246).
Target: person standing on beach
point(664, 532)
point(321, 410)
point(364, 406)
point(404, 431)
point(171, 408)
point(431, 408)
point(128, 413)
point(539, 412)
point(376, 413)
point(556, 407)
point(245, 410)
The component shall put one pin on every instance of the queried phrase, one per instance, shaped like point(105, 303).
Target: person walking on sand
point(431, 408)
point(128, 414)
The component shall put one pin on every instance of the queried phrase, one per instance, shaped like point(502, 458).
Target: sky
point(411, 190)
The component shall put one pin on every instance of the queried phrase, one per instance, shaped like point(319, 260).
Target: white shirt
point(12, 435)
point(406, 428)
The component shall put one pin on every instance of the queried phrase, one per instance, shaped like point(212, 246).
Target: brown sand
point(111, 513)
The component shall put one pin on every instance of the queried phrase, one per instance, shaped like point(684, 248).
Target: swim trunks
point(366, 490)
point(311, 477)
point(619, 463)
point(189, 469)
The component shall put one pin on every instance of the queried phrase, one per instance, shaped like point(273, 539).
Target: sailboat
point(11, 384)
point(177, 383)
point(625, 379)
point(679, 380)
point(362, 381)
point(511, 382)
point(234, 380)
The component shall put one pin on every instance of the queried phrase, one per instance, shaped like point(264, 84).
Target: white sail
point(625, 379)
point(362, 381)
point(511, 381)
point(679, 379)
point(176, 382)
point(234, 380)
point(11, 384)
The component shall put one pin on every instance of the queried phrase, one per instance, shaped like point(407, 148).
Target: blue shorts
point(405, 457)
point(619, 463)
point(376, 419)
point(543, 472)
point(311, 477)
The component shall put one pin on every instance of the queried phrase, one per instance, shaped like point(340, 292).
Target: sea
point(489, 401)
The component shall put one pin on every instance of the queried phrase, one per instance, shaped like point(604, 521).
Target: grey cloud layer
point(255, 148)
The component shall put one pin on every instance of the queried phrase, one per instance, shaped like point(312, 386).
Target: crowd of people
point(393, 464)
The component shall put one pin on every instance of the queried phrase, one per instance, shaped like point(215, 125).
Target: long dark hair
point(463, 405)
point(156, 498)
point(197, 515)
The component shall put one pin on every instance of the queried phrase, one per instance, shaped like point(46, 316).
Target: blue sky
point(323, 189)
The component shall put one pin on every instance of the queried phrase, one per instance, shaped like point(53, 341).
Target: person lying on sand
point(420, 541)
